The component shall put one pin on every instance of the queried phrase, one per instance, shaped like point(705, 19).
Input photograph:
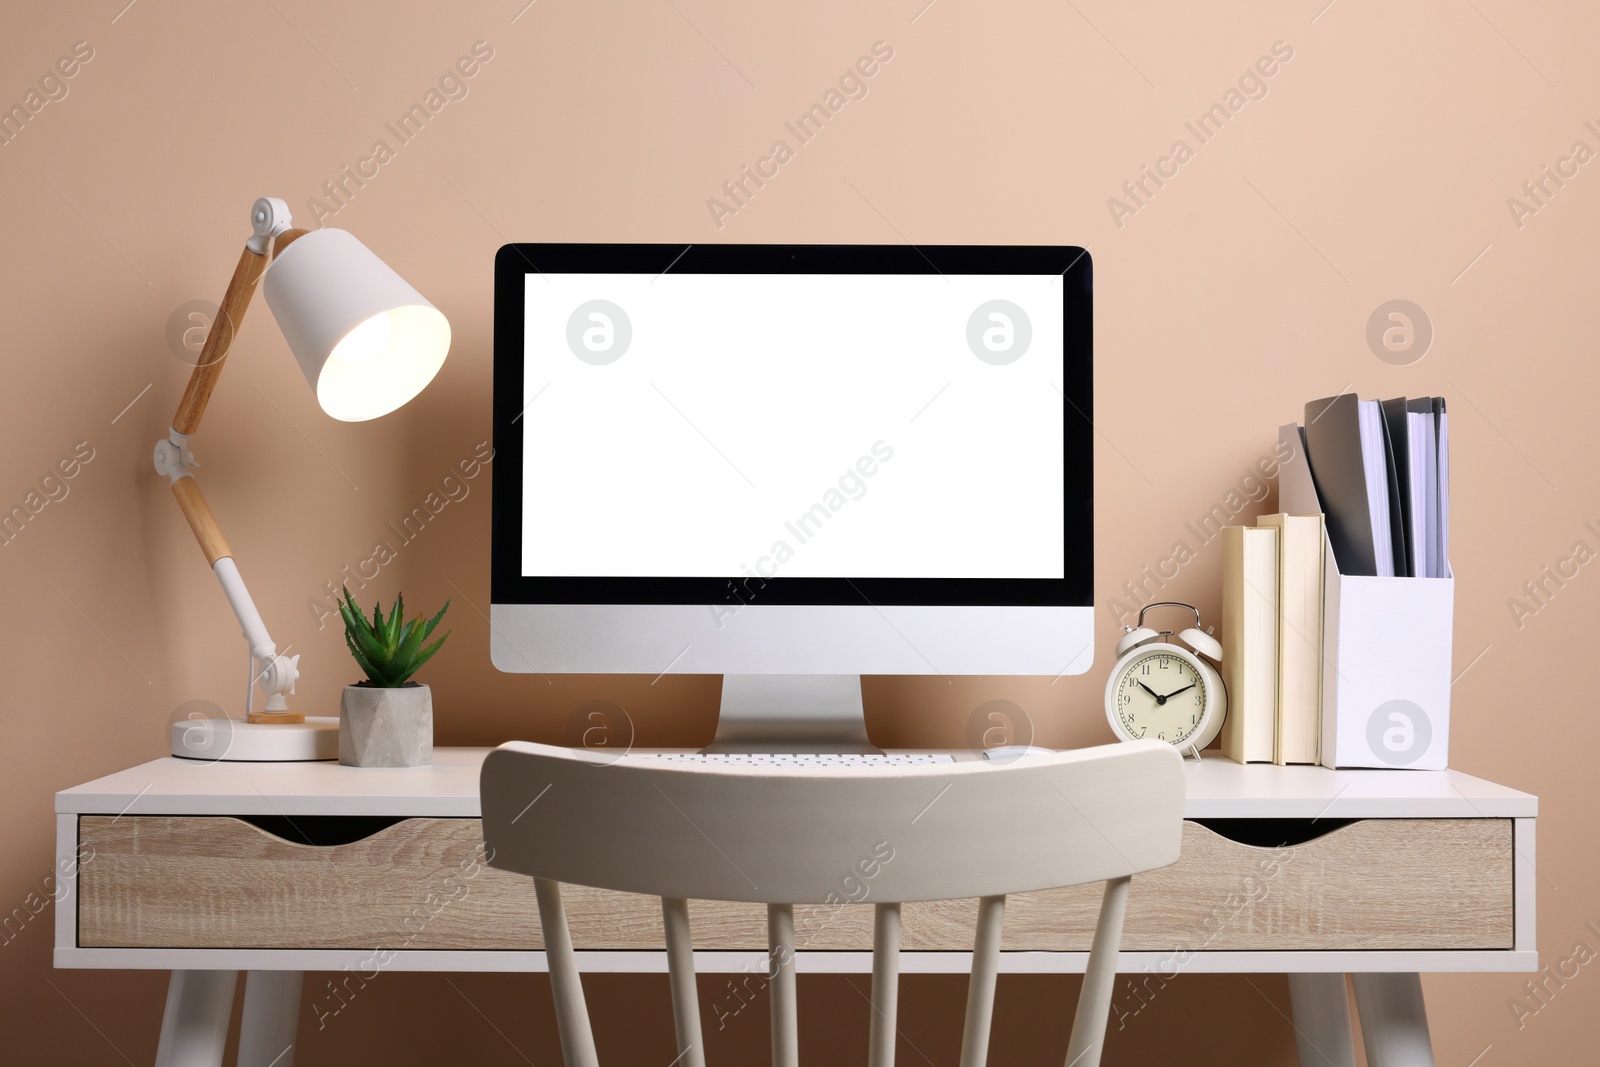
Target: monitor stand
point(791, 713)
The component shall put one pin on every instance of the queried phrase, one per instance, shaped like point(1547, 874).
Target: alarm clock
point(1165, 691)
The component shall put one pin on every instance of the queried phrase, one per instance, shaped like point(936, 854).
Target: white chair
point(786, 836)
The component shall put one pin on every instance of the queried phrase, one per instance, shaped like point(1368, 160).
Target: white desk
point(1438, 876)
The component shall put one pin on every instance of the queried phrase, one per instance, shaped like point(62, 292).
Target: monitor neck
point(791, 713)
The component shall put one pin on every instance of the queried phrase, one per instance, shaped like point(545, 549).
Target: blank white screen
point(792, 426)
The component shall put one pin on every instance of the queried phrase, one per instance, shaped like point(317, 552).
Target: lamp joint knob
point(173, 459)
point(268, 218)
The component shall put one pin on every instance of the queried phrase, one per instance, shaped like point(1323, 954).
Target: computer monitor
point(792, 465)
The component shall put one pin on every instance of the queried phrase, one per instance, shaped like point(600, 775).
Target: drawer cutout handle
point(1273, 833)
point(322, 831)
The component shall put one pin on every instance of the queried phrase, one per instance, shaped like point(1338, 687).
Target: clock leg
point(1322, 1020)
point(1394, 1021)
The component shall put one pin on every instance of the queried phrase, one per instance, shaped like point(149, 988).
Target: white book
point(1250, 643)
point(1300, 601)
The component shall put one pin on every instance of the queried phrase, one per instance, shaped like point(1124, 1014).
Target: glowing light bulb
point(365, 341)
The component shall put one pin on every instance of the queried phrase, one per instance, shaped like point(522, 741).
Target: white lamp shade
point(366, 340)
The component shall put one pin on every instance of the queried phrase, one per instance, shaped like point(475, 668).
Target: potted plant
point(387, 720)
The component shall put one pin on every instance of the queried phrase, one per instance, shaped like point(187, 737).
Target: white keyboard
point(800, 759)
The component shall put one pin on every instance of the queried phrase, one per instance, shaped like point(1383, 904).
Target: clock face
point(1161, 696)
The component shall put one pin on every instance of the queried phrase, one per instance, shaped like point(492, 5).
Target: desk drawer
point(217, 882)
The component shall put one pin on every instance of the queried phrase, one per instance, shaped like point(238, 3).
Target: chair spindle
point(980, 987)
point(1094, 999)
point(885, 984)
point(780, 976)
point(572, 1014)
point(685, 997)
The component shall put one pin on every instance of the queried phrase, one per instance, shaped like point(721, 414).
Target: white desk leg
point(1394, 1022)
point(271, 1020)
point(1322, 1020)
point(194, 1028)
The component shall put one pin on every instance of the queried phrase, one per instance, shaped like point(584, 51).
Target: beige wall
point(1377, 166)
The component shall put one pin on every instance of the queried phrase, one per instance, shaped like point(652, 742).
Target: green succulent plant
point(387, 650)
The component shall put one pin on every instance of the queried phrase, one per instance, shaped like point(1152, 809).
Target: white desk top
point(1218, 788)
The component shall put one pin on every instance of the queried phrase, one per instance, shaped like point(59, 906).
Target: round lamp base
point(219, 739)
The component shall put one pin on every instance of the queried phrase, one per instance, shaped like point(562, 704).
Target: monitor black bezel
point(514, 262)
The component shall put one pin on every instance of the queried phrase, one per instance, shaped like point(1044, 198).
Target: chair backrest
point(784, 836)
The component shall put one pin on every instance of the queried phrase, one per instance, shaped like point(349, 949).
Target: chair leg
point(1394, 1020)
point(885, 984)
point(572, 1014)
point(194, 1027)
point(785, 1014)
point(980, 986)
point(680, 969)
point(1094, 999)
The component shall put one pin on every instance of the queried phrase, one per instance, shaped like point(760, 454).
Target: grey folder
point(1338, 468)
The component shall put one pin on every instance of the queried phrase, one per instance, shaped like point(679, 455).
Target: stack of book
point(1272, 597)
point(1381, 472)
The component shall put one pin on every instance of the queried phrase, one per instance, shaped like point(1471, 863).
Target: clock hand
point(1185, 689)
point(1147, 689)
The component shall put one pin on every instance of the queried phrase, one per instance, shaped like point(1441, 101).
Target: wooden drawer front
point(180, 882)
point(1375, 884)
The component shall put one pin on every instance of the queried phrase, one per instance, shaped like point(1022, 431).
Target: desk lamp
point(367, 343)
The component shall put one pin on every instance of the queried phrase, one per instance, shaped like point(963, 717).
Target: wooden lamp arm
point(201, 521)
point(219, 339)
point(203, 380)
point(173, 459)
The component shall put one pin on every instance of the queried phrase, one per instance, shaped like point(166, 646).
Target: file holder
point(1386, 647)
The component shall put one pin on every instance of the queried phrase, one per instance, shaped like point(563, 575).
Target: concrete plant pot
point(386, 727)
